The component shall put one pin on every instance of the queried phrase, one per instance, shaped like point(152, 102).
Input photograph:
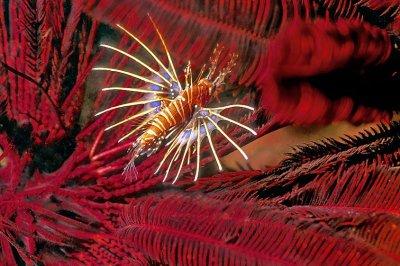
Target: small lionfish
point(174, 114)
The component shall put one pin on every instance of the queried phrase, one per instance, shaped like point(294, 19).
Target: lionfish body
point(176, 113)
point(174, 116)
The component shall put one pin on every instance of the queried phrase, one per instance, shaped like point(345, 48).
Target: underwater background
point(322, 182)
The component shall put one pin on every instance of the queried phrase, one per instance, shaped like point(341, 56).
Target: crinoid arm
point(191, 136)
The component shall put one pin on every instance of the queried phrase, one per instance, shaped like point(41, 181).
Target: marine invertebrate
point(339, 196)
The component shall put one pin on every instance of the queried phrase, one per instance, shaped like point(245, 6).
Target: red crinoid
point(64, 199)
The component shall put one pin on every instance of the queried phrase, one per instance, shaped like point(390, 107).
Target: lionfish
point(172, 115)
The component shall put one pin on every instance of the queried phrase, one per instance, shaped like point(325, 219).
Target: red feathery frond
point(36, 225)
point(319, 170)
point(198, 27)
point(178, 229)
point(193, 28)
point(333, 59)
point(63, 198)
point(350, 7)
point(45, 47)
point(45, 50)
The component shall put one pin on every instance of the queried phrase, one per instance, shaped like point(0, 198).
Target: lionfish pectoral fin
point(208, 119)
point(183, 138)
point(151, 53)
point(141, 127)
point(179, 140)
point(174, 76)
point(162, 85)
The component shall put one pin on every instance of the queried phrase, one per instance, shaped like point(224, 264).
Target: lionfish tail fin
point(130, 172)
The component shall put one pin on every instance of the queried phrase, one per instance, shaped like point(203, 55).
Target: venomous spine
point(172, 115)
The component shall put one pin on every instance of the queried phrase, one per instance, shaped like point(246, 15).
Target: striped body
point(178, 111)
point(172, 116)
